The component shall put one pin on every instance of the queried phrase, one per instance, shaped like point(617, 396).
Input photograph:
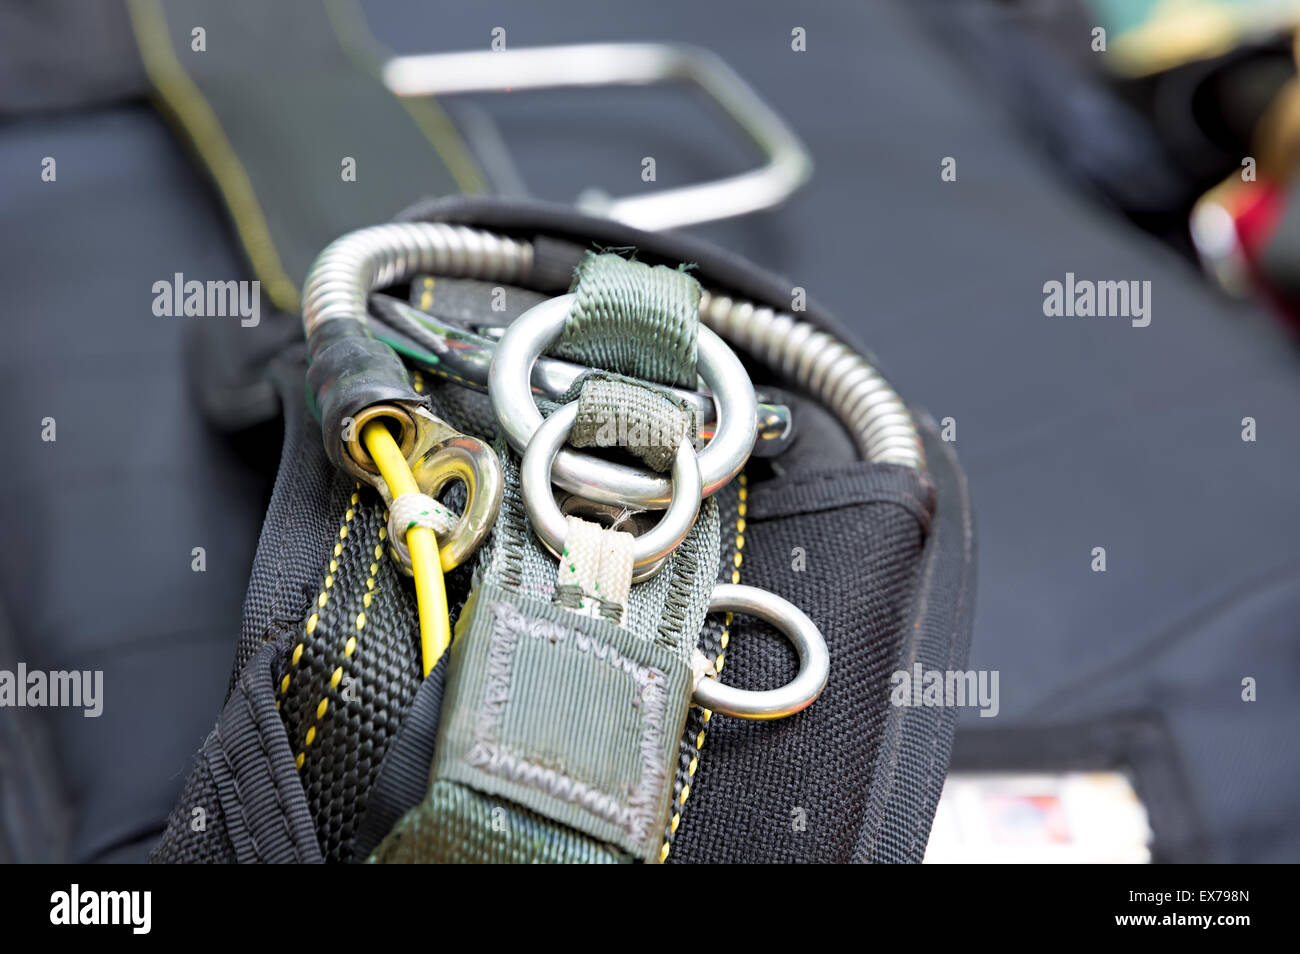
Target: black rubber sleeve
point(350, 371)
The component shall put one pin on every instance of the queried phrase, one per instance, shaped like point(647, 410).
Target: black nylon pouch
point(879, 556)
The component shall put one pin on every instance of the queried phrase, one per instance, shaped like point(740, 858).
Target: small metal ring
point(549, 523)
point(604, 481)
point(814, 660)
point(474, 464)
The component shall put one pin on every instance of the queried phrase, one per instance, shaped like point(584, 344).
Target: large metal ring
point(550, 524)
point(814, 660)
point(608, 481)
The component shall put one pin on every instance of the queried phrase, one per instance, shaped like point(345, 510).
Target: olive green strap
point(560, 732)
point(638, 320)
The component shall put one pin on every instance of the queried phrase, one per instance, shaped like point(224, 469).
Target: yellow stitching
point(360, 46)
point(722, 641)
point(186, 104)
point(337, 676)
point(313, 621)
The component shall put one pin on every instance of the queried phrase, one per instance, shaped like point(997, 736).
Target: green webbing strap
point(560, 733)
point(457, 825)
point(614, 411)
point(576, 718)
point(638, 320)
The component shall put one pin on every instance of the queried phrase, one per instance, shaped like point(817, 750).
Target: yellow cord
point(426, 564)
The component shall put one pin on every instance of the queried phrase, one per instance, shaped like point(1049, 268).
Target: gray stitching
point(640, 812)
point(571, 596)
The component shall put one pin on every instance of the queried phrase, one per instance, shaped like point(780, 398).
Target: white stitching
point(486, 754)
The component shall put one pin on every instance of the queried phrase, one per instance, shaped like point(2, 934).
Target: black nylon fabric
point(916, 740)
point(846, 551)
point(244, 801)
point(403, 778)
point(285, 579)
point(368, 634)
point(301, 554)
point(182, 842)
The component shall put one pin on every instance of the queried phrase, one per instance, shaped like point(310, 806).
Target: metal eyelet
point(443, 455)
point(607, 481)
point(549, 523)
point(814, 659)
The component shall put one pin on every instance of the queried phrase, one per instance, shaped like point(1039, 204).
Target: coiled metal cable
point(831, 371)
point(354, 265)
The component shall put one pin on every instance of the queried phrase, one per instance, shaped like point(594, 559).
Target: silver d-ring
point(550, 524)
point(814, 660)
point(608, 481)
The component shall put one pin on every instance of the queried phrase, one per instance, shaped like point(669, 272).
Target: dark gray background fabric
point(1074, 434)
point(95, 568)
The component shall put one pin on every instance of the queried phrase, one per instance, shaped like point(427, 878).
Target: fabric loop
point(416, 510)
point(615, 412)
point(595, 573)
point(635, 319)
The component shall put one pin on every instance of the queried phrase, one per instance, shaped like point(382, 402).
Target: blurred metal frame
point(788, 164)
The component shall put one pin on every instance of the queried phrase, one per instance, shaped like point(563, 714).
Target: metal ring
point(814, 660)
point(550, 524)
point(608, 481)
point(474, 464)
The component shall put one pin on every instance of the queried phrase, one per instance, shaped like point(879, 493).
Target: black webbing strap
point(275, 102)
point(248, 754)
point(403, 778)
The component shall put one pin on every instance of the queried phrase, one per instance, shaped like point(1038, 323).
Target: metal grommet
point(607, 481)
point(405, 441)
point(814, 660)
point(474, 464)
point(549, 523)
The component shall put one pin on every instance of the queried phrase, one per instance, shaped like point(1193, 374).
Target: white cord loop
point(417, 510)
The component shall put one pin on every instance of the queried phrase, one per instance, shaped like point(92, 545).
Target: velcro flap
point(573, 717)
